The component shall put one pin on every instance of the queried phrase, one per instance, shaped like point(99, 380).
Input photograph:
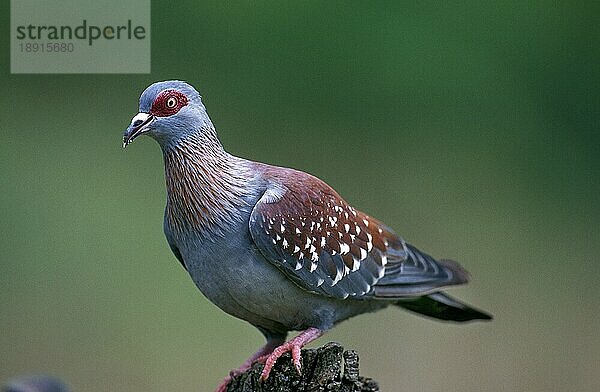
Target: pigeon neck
point(206, 186)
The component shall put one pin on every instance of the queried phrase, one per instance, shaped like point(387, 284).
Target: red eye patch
point(168, 102)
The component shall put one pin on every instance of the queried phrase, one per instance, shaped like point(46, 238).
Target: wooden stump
point(322, 371)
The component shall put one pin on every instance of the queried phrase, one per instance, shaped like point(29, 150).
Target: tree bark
point(322, 371)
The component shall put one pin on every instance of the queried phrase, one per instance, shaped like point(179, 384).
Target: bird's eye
point(171, 102)
point(168, 102)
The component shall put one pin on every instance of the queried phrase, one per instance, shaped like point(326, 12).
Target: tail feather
point(441, 306)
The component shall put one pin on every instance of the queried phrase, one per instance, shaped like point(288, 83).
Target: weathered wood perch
point(322, 371)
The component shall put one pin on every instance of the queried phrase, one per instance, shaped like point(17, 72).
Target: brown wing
point(326, 246)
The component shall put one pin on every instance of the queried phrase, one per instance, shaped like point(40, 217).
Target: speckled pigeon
point(278, 247)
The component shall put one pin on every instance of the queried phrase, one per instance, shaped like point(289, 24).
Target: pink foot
point(257, 356)
point(294, 345)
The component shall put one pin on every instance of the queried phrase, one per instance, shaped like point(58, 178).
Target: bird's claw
point(296, 358)
point(272, 358)
point(294, 346)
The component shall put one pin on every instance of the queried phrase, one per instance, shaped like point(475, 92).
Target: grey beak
point(139, 124)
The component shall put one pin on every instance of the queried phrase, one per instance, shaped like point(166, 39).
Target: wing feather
point(325, 246)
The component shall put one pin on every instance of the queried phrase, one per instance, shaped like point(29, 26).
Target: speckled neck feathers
point(206, 186)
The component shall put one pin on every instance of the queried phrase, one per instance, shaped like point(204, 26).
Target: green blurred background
point(471, 129)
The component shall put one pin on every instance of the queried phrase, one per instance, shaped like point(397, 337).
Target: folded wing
point(326, 246)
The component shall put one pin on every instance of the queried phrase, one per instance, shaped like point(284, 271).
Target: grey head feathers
point(191, 120)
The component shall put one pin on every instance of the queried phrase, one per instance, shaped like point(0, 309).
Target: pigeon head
point(169, 112)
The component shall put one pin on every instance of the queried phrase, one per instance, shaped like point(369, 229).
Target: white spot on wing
point(344, 248)
point(383, 260)
point(338, 276)
point(363, 254)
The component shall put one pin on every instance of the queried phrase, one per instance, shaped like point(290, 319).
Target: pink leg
point(294, 345)
point(262, 353)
